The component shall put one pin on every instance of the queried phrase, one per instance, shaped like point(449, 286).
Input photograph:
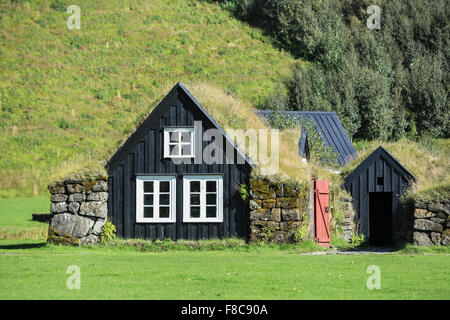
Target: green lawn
point(40, 273)
point(15, 218)
point(30, 269)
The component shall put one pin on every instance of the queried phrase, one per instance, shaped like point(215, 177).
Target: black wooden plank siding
point(143, 154)
point(363, 181)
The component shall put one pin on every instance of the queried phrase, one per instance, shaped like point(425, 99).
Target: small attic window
point(380, 181)
point(179, 142)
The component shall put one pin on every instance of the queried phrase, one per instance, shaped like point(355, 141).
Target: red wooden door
point(322, 213)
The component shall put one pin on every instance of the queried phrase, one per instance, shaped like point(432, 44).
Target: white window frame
point(168, 131)
point(140, 199)
point(187, 198)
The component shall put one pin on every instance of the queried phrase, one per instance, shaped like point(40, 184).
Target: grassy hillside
point(68, 96)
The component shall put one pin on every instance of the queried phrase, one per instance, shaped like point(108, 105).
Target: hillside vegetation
point(384, 83)
point(68, 97)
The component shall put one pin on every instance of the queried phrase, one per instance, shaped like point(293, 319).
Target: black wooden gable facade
point(143, 155)
point(375, 186)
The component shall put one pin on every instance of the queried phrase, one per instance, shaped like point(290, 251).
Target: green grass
point(108, 273)
point(15, 218)
point(208, 269)
point(70, 95)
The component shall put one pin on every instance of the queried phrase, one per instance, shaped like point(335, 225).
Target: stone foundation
point(349, 225)
point(431, 223)
point(79, 210)
point(277, 211)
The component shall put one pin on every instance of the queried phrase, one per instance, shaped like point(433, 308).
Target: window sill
point(215, 220)
point(155, 221)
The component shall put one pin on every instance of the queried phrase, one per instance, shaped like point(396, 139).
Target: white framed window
point(179, 142)
point(155, 199)
point(203, 198)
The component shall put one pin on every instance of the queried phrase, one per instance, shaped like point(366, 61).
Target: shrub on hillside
point(384, 83)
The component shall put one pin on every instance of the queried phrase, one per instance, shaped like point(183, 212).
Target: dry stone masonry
point(79, 210)
point(277, 211)
point(431, 223)
point(349, 225)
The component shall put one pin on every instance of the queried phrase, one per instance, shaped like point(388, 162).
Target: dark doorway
point(380, 218)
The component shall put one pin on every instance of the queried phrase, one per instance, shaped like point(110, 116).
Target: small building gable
point(330, 129)
point(176, 97)
point(376, 186)
point(163, 184)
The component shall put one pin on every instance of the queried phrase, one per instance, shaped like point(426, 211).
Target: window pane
point(148, 186)
point(186, 150)
point(174, 136)
point(186, 136)
point(164, 199)
point(174, 150)
point(148, 212)
point(195, 212)
point(211, 198)
point(211, 186)
point(211, 212)
point(195, 199)
point(164, 186)
point(164, 212)
point(148, 199)
point(195, 186)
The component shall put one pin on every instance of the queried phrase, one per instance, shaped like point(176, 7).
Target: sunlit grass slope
point(68, 96)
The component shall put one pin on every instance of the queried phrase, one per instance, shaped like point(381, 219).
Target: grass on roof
point(427, 159)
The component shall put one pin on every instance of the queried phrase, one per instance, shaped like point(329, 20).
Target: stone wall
point(79, 210)
point(277, 211)
point(431, 223)
point(349, 224)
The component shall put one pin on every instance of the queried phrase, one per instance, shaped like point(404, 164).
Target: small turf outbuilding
point(376, 185)
point(163, 185)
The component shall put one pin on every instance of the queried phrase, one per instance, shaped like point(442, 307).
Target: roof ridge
point(297, 111)
point(123, 148)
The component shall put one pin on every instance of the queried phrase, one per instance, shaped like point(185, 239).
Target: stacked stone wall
point(79, 210)
point(431, 224)
point(277, 211)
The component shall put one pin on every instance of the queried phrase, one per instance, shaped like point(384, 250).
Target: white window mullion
point(156, 199)
point(179, 144)
point(166, 144)
point(202, 199)
point(192, 143)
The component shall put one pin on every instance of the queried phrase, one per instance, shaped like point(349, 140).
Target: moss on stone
point(269, 203)
point(287, 203)
point(55, 237)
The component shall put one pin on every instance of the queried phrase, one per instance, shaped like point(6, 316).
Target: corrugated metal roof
point(330, 129)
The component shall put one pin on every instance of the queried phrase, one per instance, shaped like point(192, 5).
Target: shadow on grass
point(22, 246)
